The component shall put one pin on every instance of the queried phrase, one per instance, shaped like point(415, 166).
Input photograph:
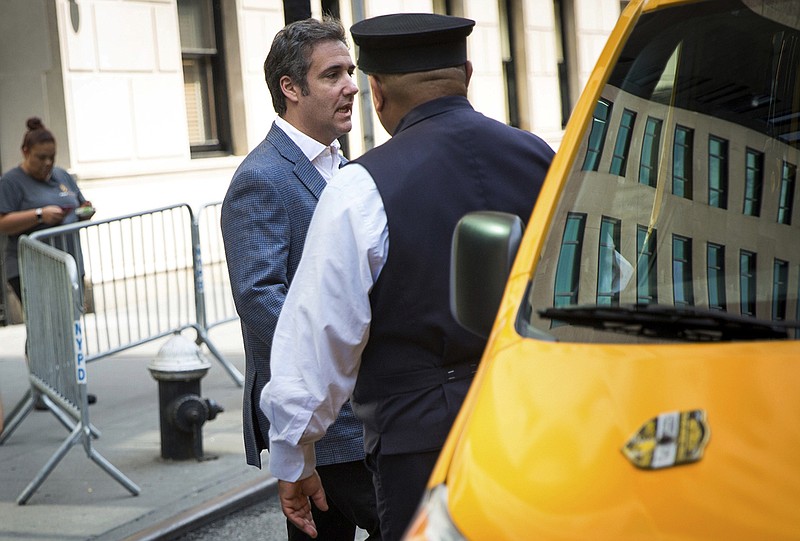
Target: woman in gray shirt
point(36, 195)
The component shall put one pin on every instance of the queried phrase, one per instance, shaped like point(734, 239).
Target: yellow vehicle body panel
point(545, 437)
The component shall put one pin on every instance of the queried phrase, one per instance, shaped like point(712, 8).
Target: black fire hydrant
point(178, 368)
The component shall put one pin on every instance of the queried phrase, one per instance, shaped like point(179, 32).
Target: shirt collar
point(309, 146)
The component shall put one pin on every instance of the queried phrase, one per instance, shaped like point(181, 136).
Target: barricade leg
point(64, 417)
point(37, 481)
point(25, 406)
point(59, 414)
point(17, 415)
point(113, 471)
point(237, 376)
point(77, 435)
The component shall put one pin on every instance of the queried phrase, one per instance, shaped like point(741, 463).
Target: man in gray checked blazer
point(265, 216)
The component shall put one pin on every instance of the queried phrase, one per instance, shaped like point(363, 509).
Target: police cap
point(408, 42)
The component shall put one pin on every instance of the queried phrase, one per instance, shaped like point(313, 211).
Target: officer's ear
point(468, 71)
point(376, 90)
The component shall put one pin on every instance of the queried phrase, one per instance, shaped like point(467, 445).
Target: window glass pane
point(597, 136)
point(754, 175)
point(608, 268)
point(717, 172)
point(715, 255)
point(196, 24)
point(646, 275)
point(682, 271)
point(619, 160)
point(199, 104)
point(780, 288)
point(568, 271)
point(682, 162)
point(747, 282)
point(648, 168)
point(789, 173)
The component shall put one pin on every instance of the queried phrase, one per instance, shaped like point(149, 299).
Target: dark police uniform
point(443, 161)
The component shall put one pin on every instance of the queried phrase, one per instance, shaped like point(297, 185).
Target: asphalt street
point(263, 521)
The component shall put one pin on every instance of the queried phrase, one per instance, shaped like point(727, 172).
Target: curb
point(208, 512)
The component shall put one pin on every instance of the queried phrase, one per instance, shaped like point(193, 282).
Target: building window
point(683, 294)
point(619, 161)
point(715, 267)
point(788, 175)
point(747, 282)
point(648, 168)
point(646, 270)
point(717, 172)
point(608, 269)
point(780, 289)
point(568, 270)
point(204, 76)
point(597, 135)
point(753, 182)
point(682, 162)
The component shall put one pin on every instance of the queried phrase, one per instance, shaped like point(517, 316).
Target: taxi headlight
point(433, 522)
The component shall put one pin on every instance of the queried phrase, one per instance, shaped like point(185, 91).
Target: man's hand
point(294, 498)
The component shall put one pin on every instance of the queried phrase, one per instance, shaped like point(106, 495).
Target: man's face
point(325, 111)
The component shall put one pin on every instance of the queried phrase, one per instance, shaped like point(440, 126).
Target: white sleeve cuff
point(291, 462)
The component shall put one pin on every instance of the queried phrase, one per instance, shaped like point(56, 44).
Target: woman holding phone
point(36, 195)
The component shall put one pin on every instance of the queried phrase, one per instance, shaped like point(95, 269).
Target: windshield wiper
point(681, 323)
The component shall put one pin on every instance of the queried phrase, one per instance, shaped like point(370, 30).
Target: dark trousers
point(400, 482)
point(351, 502)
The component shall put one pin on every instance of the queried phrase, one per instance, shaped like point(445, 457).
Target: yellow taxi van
point(642, 374)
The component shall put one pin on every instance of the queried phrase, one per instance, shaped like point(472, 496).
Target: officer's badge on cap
point(408, 42)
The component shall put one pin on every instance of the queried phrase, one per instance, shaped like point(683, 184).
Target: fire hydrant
point(178, 368)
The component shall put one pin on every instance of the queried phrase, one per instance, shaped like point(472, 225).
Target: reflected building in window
point(687, 174)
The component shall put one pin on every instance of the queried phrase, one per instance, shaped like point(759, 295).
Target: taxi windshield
point(681, 199)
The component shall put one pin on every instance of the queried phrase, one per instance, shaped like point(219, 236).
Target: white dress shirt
point(324, 323)
point(325, 159)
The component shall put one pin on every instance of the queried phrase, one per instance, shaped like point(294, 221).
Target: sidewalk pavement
point(79, 500)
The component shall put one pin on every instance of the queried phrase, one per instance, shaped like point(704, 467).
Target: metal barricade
point(56, 359)
point(213, 296)
point(140, 277)
point(144, 279)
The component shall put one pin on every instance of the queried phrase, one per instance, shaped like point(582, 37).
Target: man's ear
point(468, 71)
point(376, 90)
point(290, 89)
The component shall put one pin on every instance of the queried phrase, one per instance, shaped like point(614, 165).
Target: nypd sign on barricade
point(115, 284)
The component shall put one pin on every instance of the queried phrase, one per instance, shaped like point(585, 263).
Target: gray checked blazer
point(265, 217)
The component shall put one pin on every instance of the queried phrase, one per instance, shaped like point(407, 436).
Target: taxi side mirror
point(482, 253)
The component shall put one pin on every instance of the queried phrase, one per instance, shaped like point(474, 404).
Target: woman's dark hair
point(36, 133)
point(290, 54)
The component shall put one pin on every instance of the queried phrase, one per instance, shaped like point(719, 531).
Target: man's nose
point(352, 88)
